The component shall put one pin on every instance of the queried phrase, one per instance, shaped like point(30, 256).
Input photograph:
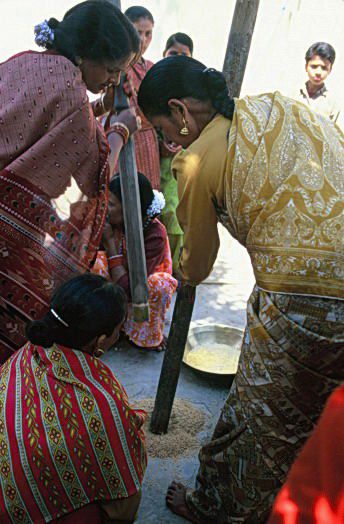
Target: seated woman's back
point(68, 434)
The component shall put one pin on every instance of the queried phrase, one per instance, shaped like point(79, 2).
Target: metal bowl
point(213, 349)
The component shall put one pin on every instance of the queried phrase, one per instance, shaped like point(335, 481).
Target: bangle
point(115, 261)
point(102, 105)
point(121, 129)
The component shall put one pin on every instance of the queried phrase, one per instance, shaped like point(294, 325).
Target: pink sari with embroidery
point(53, 186)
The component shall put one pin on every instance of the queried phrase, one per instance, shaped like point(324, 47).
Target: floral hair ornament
point(44, 34)
point(157, 205)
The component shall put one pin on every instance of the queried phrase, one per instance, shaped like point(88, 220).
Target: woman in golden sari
point(272, 172)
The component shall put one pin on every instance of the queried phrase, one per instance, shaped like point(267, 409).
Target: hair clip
point(58, 318)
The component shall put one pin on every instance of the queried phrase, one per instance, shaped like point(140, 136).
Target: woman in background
point(146, 141)
point(178, 44)
point(54, 167)
point(73, 449)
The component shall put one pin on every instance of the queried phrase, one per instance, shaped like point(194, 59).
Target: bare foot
point(175, 500)
point(162, 346)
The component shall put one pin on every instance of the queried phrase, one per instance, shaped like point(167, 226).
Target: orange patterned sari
point(161, 286)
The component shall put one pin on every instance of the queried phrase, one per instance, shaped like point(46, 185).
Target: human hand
point(127, 117)
point(127, 87)
point(108, 98)
point(108, 235)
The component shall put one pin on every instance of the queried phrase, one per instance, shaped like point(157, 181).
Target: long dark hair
point(135, 12)
point(96, 30)
point(179, 38)
point(145, 190)
point(88, 306)
point(180, 77)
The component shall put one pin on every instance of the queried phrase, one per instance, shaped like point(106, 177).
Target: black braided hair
point(83, 308)
point(218, 92)
point(180, 77)
point(145, 190)
point(136, 12)
point(96, 30)
point(179, 38)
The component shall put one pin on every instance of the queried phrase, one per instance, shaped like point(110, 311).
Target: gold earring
point(184, 131)
point(78, 60)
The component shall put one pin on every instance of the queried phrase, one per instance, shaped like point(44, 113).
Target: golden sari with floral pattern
point(277, 184)
point(274, 176)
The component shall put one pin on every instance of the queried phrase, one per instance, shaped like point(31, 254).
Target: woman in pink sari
point(54, 157)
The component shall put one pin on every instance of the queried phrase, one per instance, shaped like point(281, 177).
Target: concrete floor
point(220, 299)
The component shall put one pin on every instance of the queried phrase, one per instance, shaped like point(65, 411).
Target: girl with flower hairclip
point(113, 263)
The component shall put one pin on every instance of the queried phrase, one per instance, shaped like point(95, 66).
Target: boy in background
point(320, 58)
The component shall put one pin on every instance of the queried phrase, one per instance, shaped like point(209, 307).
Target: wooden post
point(239, 43)
point(173, 358)
point(131, 204)
point(132, 216)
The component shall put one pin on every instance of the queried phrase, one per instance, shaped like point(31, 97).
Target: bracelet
point(115, 261)
point(102, 105)
point(115, 256)
point(121, 129)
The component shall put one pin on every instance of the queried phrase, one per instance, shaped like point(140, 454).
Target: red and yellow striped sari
point(68, 436)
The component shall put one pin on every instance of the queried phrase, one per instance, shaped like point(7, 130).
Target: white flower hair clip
point(44, 34)
point(157, 205)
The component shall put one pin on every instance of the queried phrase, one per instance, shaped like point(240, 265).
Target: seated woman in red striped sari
point(161, 284)
point(72, 448)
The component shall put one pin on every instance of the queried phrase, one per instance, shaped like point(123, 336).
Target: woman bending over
point(272, 172)
point(54, 158)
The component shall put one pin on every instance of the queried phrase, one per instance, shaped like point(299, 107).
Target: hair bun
point(40, 333)
point(216, 82)
point(217, 88)
point(53, 23)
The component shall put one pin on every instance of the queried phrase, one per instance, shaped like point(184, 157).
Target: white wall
point(284, 30)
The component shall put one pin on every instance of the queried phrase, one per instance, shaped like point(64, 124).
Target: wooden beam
point(131, 204)
point(239, 43)
point(132, 216)
point(173, 359)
